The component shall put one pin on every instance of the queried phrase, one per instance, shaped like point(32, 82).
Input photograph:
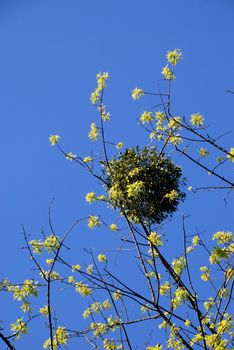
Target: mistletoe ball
point(144, 185)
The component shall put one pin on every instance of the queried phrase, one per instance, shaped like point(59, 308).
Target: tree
point(144, 187)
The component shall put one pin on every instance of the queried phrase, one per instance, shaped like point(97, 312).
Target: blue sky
point(50, 53)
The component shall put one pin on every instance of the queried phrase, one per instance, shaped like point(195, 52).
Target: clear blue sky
point(50, 52)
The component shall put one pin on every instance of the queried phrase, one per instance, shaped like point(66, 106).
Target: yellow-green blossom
point(52, 275)
point(101, 84)
point(155, 239)
point(101, 79)
point(196, 240)
point(223, 237)
point(117, 295)
point(134, 172)
point(26, 307)
point(174, 123)
point(174, 56)
point(156, 347)
point(119, 145)
point(230, 156)
point(137, 93)
point(115, 193)
point(175, 139)
point(93, 221)
point(44, 310)
point(163, 325)
point(208, 304)
point(160, 116)
point(180, 296)
point(90, 197)
point(189, 249)
point(95, 96)
point(102, 258)
point(113, 227)
point(165, 288)
point(225, 325)
point(229, 274)
point(90, 269)
point(213, 341)
point(51, 243)
point(217, 254)
point(102, 197)
point(54, 139)
point(76, 267)
point(167, 73)
point(29, 288)
point(203, 152)
point(93, 133)
point(106, 304)
point(71, 279)
point(60, 338)
point(99, 328)
point(82, 289)
point(179, 264)
point(145, 308)
point(206, 273)
point(19, 327)
point(197, 119)
point(151, 274)
point(135, 188)
point(146, 117)
point(70, 156)
point(87, 159)
point(49, 261)
point(105, 116)
point(172, 195)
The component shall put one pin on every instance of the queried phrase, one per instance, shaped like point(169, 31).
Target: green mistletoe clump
point(144, 185)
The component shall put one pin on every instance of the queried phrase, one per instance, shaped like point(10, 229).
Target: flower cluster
point(93, 133)
point(165, 288)
point(119, 145)
point(156, 347)
point(93, 221)
point(83, 289)
point(168, 73)
point(19, 327)
point(44, 310)
point(90, 197)
point(172, 195)
point(51, 244)
point(54, 139)
point(155, 239)
point(71, 156)
point(60, 338)
point(179, 264)
point(101, 84)
point(96, 308)
point(146, 117)
point(102, 258)
point(29, 288)
point(230, 156)
point(137, 93)
point(197, 119)
point(113, 227)
point(174, 56)
point(117, 295)
point(180, 296)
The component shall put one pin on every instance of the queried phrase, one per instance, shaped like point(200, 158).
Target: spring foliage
point(144, 187)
